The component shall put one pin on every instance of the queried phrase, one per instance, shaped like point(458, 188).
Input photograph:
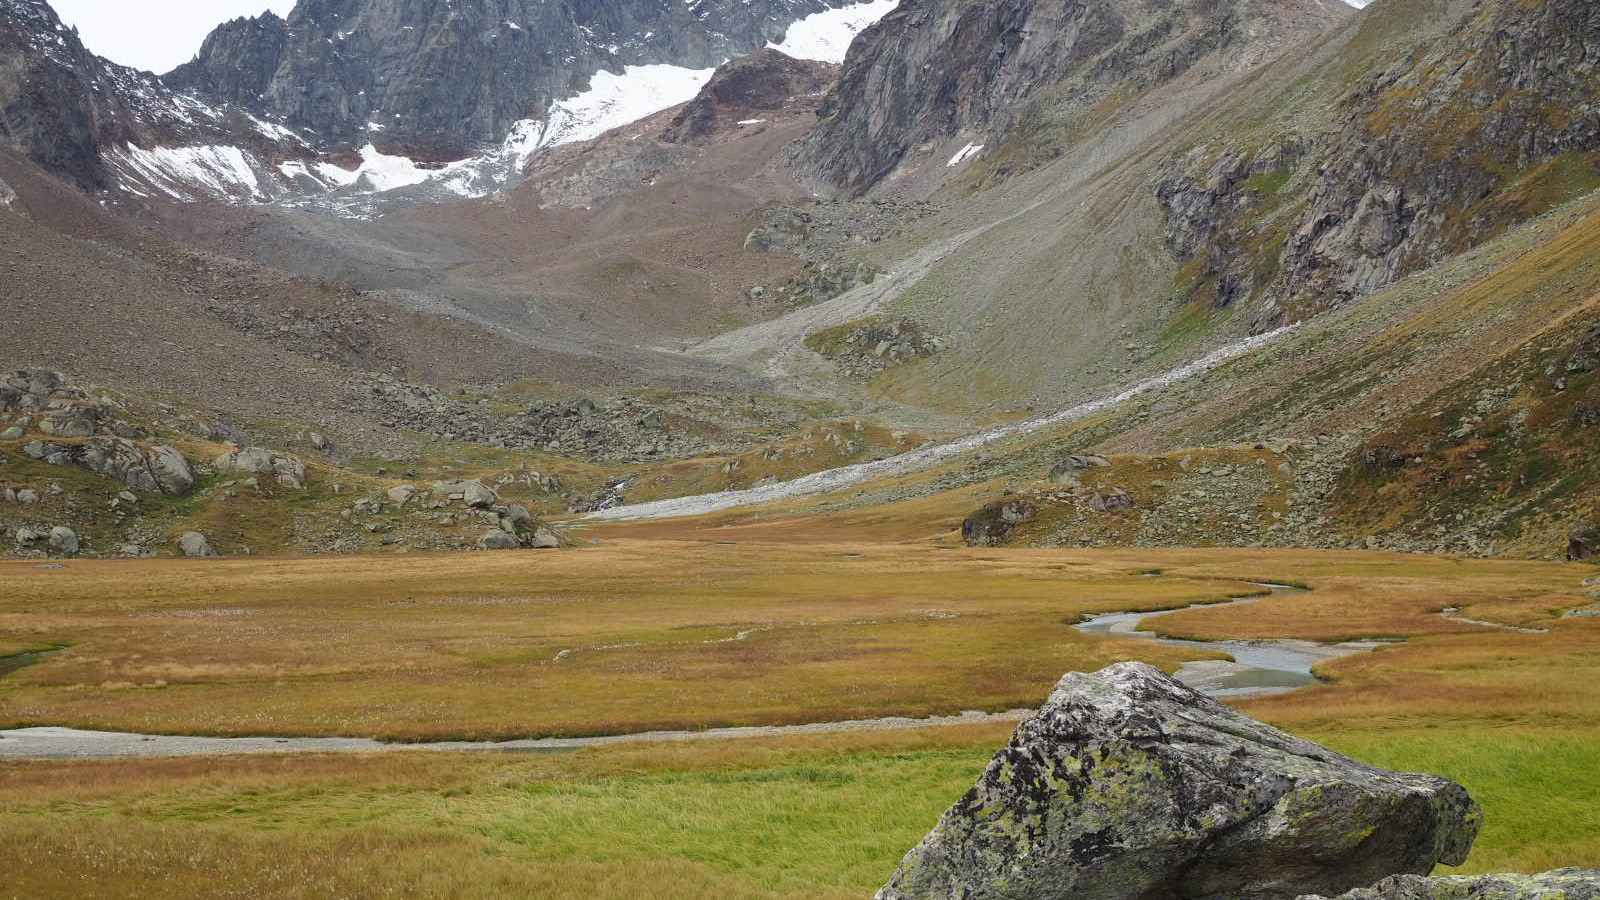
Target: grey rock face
point(158, 468)
point(63, 106)
point(935, 68)
point(1560, 884)
point(1127, 785)
point(194, 544)
point(442, 79)
point(1381, 191)
point(763, 81)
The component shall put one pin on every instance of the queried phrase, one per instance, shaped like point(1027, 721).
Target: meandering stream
point(1258, 667)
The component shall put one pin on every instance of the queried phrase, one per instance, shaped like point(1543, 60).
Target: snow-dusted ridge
point(211, 170)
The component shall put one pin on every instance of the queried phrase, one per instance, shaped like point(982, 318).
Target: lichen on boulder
point(1128, 785)
point(1559, 884)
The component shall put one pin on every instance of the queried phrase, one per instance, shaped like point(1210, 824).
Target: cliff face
point(439, 80)
point(71, 111)
point(1495, 120)
point(935, 68)
point(238, 60)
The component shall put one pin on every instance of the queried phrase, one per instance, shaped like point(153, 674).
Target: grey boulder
point(1128, 785)
point(498, 540)
point(194, 544)
point(1560, 884)
point(64, 540)
point(289, 471)
point(472, 493)
point(158, 468)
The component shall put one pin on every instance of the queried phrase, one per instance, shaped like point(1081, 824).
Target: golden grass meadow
point(639, 632)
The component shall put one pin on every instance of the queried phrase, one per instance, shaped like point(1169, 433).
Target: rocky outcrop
point(1416, 165)
point(1127, 784)
point(287, 470)
point(66, 109)
point(765, 81)
point(991, 525)
point(1560, 884)
point(156, 468)
point(933, 69)
point(431, 79)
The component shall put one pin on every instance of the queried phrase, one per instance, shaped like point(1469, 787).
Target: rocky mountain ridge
point(438, 82)
point(1494, 119)
point(935, 69)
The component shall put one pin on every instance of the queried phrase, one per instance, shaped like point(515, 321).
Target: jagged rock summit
point(438, 80)
point(1127, 785)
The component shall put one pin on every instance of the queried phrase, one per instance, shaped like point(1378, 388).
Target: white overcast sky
point(155, 34)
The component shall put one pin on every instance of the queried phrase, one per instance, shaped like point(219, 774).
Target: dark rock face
point(1565, 884)
point(238, 60)
point(933, 68)
point(443, 79)
point(1128, 785)
point(1477, 128)
point(990, 526)
point(64, 108)
point(764, 81)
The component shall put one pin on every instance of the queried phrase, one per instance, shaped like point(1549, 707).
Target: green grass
point(808, 817)
point(1540, 788)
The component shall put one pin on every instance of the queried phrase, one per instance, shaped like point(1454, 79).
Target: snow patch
point(751, 121)
point(826, 36)
point(615, 100)
point(378, 172)
point(964, 154)
point(217, 170)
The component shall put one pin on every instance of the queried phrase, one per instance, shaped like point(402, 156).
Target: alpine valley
point(827, 378)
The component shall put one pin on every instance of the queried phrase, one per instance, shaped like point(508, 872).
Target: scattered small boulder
point(1559, 884)
point(991, 525)
point(1127, 784)
point(402, 494)
point(194, 545)
point(13, 433)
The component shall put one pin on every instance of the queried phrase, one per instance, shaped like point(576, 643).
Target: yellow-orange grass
point(466, 646)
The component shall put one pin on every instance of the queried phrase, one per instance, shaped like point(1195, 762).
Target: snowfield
point(826, 36)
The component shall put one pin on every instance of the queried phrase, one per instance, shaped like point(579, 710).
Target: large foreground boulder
point(1127, 785)
point(1561, 884)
